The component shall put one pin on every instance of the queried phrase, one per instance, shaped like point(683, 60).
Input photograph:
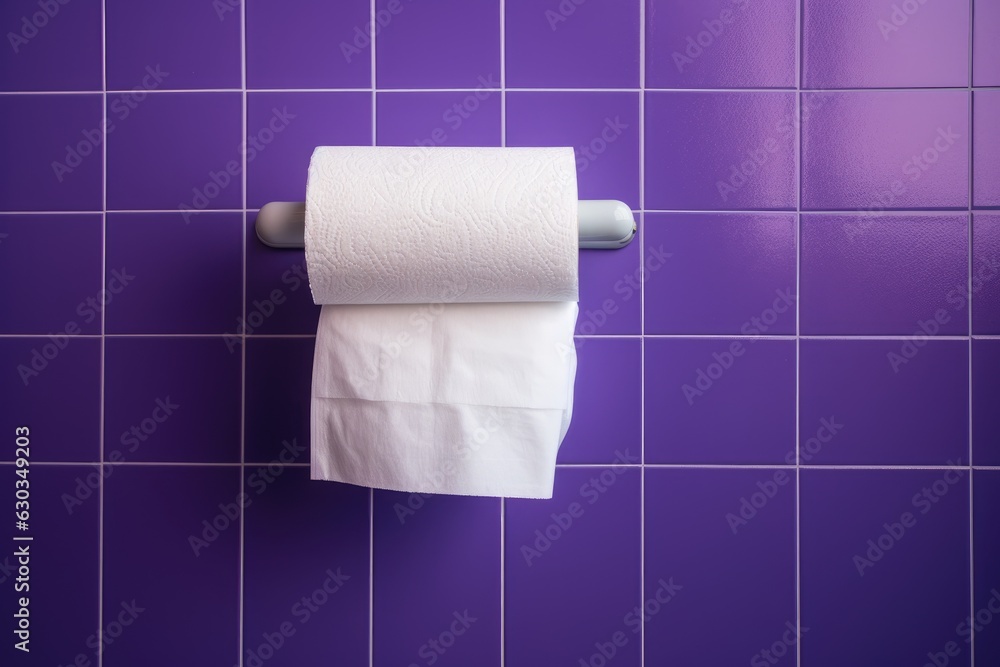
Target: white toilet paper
point(444, 357)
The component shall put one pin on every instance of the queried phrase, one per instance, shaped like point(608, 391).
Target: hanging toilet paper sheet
point(444, 357)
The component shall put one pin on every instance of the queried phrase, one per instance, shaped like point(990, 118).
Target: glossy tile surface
point(714, 557)
point(67, 298)
point(719, 400)
point(985, 282)
point(885, 150)
point(883, 402)
point(720, 44)
point(554, 46)
point(986, 148)
point(720, 150)
point(867, 535)
point(192, 45)
point(885, 44)
point(744, 266)
point(146, 253)
point(885, 275)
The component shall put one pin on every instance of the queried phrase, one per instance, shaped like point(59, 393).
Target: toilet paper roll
point(395, 225)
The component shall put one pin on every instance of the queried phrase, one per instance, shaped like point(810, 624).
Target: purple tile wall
point(786, 442)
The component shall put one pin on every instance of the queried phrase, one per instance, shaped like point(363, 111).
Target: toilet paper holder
point(604, 223)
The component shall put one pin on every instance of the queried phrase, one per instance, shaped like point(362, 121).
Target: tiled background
point(818, 186)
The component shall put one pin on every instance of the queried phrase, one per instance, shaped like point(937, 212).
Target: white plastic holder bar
point(604, 223)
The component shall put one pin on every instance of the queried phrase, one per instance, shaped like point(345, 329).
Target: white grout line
point(642, 326)
point(251, 91)
point(971, 257)
point(799, 39)
point(104, 250)
point(243, 334)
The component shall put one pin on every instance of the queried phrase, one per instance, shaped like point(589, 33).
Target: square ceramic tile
point(885, 150)
point(176, 151)
point(61, 581)
point(611, 285)
point(40, 373)
point(464, 118)
point(53, 45)
point(985, 389)
point(441, 604)
point(572, 571)
point(986, 273)
point(57, 143)
point(602, 128)
point(174, 274)
point(986, 49)
point(884, 402)
point(606, 424)
point(986, 586)
point(305, 568)
point(986, 148)
point(308, 43)
point(277, 291)
point(720, 552)
point(278, 388)
point(883, 275)
point(885, 44)
point(867, 536)
point(283, 129)
point(192, 43)
point(444, 44)
point(743, 267)
point(567, 45)
point(720, 44)
point(171, 399)
point(719, 400)
point(66, 298)
point(720, 150)
point(183, 524)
